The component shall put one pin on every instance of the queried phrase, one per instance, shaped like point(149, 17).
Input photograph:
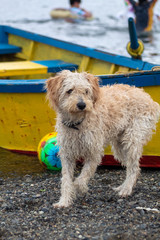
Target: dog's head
point(72, 92)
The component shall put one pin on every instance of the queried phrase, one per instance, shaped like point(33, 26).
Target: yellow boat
point(28, 59)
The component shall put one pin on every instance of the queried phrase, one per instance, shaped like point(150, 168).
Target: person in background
point(77, 10)
point(127, 13)
point(130, 10)
point(143, 10)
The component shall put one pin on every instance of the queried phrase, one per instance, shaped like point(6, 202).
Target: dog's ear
point(94, 81)
point(52, 86)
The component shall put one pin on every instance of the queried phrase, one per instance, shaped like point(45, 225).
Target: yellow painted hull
point(26, 118)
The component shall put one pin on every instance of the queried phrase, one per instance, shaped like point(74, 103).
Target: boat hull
point(27, 118)
point(25, 115)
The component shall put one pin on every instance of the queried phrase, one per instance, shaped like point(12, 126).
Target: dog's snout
point(81, 105)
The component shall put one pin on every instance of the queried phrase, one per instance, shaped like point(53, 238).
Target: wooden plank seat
point(8, 48)
point(34, 67)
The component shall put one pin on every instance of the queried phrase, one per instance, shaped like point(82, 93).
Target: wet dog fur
point(89, 118)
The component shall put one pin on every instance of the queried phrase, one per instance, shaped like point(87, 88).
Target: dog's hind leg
point(129, 154)
point(132, 172)
point(88, 171)
point(68, 193)
point(130, 148)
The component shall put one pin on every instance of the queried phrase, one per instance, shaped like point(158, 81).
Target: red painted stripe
point(108, 160)
point(33, 153)
point(146, 161)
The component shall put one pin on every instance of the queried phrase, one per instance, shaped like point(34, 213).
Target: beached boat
point(28, 59)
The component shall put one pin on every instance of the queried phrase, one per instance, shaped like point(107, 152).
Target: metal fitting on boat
point(135, 52)
point(135, 47)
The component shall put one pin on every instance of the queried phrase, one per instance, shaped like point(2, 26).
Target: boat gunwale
point(87, 51)
point(37, 85)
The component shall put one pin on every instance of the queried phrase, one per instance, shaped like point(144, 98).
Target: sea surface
point(107, 32)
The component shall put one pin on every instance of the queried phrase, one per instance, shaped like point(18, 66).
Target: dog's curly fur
point(90, 117)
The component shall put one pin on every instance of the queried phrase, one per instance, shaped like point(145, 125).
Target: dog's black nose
point(81, 105)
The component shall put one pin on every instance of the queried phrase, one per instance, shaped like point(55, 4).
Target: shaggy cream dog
point(90, 117)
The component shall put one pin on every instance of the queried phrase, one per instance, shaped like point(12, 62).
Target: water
point(105, 32)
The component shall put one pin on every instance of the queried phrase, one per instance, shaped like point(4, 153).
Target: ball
point(48, 152)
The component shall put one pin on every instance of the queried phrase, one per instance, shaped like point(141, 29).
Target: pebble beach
point(26, 210)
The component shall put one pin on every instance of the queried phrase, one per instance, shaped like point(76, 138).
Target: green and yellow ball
point(48, 152)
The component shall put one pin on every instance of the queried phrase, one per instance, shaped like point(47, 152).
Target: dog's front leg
point(68, 193)
point(88, 171)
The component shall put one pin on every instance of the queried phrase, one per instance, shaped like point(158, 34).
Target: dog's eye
point(70, 91)
point(86, 91)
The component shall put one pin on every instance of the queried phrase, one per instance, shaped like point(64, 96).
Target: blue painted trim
point(57, 65)
point(90, 52)
point(7, 48)
point(22, 86)
point(3, 35)
point(141, 79)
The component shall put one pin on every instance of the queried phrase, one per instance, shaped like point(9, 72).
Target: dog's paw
point(117, 189)
point(60, 205)
point(123, 191)
point(80, 186)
